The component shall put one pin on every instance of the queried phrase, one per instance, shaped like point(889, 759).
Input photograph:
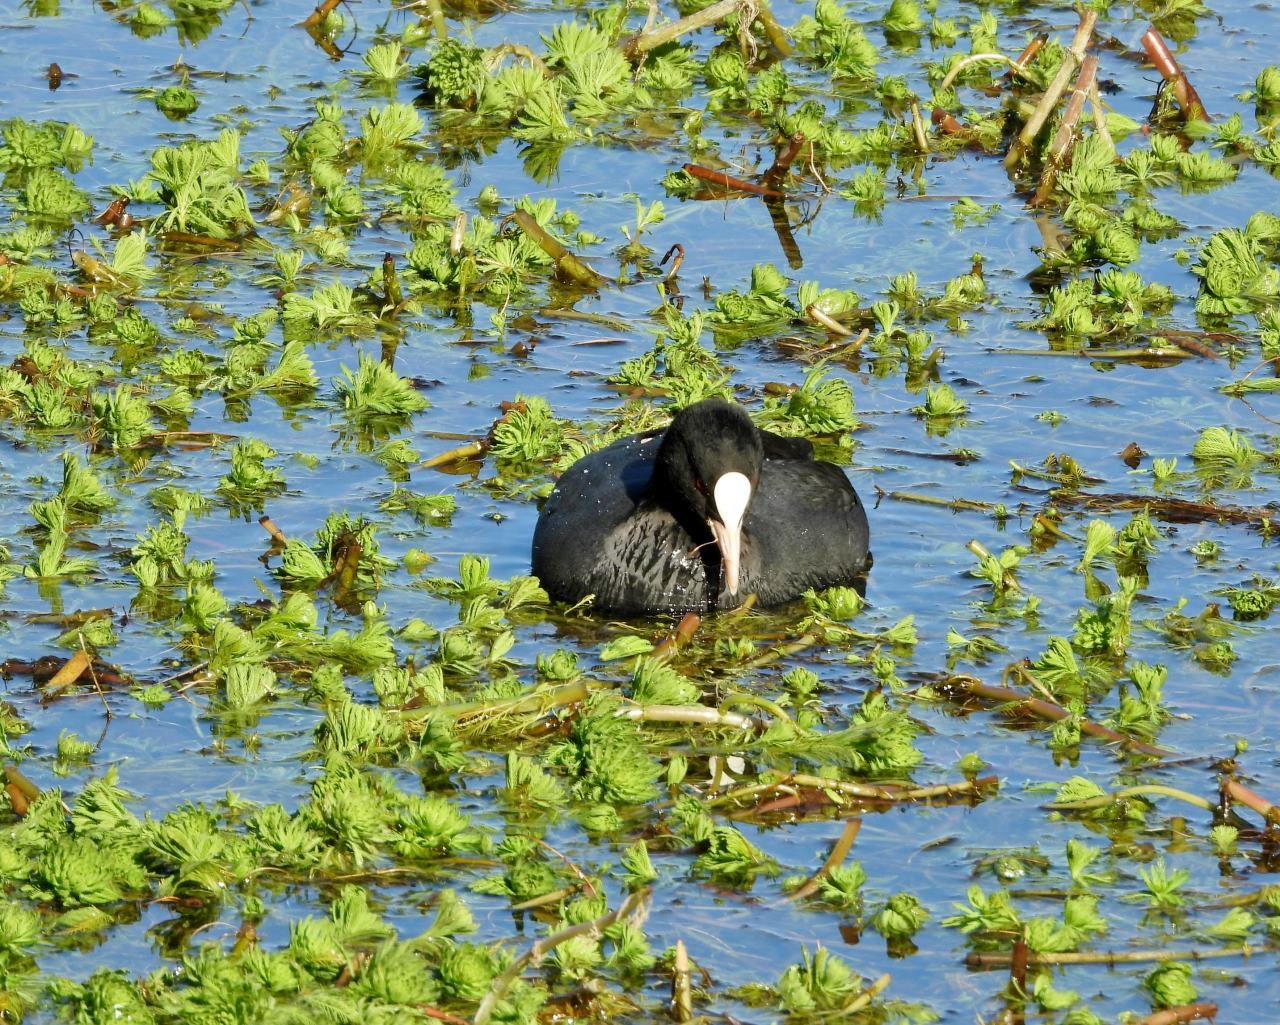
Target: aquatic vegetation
point(285, 377)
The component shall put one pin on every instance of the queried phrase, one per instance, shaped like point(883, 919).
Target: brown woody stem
point(1241, 794)
point(839, 851)
point(1179, 1014)
point(727, 181)
point(785, 158)
point(1042, 709)
point(1051, 95)
point(1060, 148)
point(1164, 61)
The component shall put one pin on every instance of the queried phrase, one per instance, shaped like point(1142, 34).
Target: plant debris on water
point(300, 320)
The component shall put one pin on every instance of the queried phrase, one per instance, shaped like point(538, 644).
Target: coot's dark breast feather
point(598, 534)
point(806, 527)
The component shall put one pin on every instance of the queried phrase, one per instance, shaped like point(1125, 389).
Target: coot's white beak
point(731, 494)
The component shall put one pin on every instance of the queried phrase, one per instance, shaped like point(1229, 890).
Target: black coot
point(698, 516)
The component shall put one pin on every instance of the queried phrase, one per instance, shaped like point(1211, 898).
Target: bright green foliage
point(330, 307)
point(249, 479)
point(465, 731)
point(376, 390)
point(1267, 85)
point(1048, 997)
point(902, 917)
point(1232, 927)
point(1224, 457)
point(984, 916)
point(82, 492)
point(732, 859)
point(424, 190)
point(1163, 887)
point(655, 683)
point(529, 788)
point(1170, 985)
point(837, 42)
point(177, 102)
point(639, 868)
point(388, 134)
point(384, 62)
point(836, 603)
point(529, 432)
point(1235, 276)
point(902, 16)
point(1203, 167)
point(942, 403)
point(821, 405)
point(604, 756)
point(1141, 711)
point(26, 146)
point(1224, 840)
point(1105, 629)
point(454, 73)
point(196, 183)
point(122, 416)
point(820, 982)
point(763, 305)
point(840, 888)
point(51, 194)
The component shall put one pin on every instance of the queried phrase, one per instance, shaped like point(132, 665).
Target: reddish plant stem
point(321, 12)
point(269, 525)
point(74, 667)
point(1060, 148)
point(1183, 91)
point(782, 228)
point(676, 251)
point(1048, 710)
point(728, 181)
point(680, 636)
point(1049, 100)
point(839, 851)
point(782, 163)
point(1241, 794)
point(1018, 967)
point(1189, 343)
point(1029, 53)
point(439, 1015)
point(1179, 1014)
point(946, 123)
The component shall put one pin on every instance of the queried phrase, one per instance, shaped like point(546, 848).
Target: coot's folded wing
point(776, 446)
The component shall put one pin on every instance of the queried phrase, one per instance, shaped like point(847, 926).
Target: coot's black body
point(656, 523)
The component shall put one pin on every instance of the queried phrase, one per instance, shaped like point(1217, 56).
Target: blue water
point(257, 72)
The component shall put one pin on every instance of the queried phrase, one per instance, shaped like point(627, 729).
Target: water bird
point(698, 516)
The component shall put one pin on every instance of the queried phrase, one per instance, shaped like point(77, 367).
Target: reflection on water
point(252, 69)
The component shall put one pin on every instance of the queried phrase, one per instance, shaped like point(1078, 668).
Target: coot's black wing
point(599, 534)
point(806, 527)
point(777, 446)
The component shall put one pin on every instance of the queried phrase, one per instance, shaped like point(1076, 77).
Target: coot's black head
point(707, 469)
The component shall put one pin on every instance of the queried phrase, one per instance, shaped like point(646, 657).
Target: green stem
point(981, 959)
point(1146, 790)
point(755, 701)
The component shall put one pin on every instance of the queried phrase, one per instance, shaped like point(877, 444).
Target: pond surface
point(1033, 394)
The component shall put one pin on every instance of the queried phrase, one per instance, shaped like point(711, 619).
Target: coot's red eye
point(702, 488)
